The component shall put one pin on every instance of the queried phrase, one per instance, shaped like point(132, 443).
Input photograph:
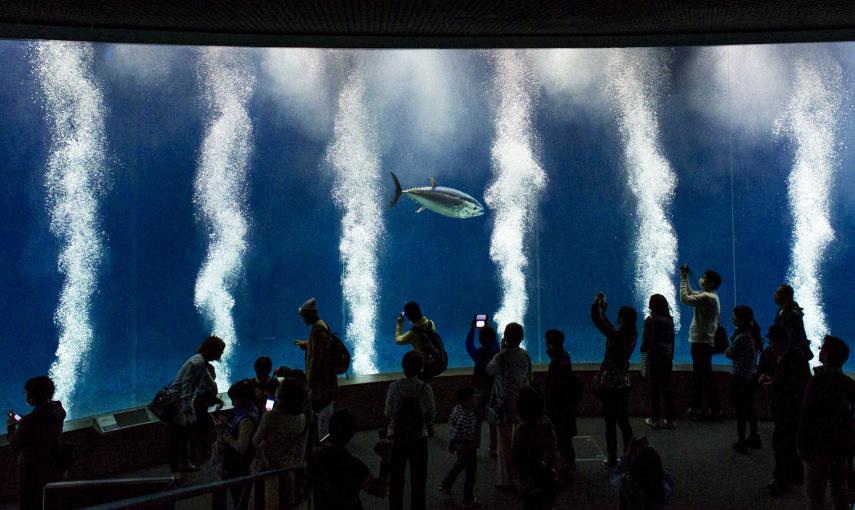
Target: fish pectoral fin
point(432, 183)
point(420, 209)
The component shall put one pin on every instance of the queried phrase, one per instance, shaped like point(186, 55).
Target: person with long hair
point(746, 344)
point(613, 377)
point(657, 345)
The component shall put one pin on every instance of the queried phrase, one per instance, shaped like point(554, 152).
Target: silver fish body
point(441, 200)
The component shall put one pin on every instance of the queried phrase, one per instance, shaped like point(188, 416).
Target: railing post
point(218, 499)
point(258, 486)
point(284, 489)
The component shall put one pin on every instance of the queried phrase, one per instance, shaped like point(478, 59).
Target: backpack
point(339, 353)
point(436, 359)
point(409, 418)
point(721, 341)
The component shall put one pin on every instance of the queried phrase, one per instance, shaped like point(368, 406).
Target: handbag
point(721, 341)
point(164, 405)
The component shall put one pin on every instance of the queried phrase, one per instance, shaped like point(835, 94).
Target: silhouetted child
point(563, 393)
point(534, 452)
point(642, 482)
point(464, 436)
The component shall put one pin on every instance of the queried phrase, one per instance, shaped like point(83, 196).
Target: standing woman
point(192, 379)
point(657, 344)
point(745, 346)
point(483, 381)
point(612, 381)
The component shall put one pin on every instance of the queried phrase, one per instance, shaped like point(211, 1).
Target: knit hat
point(310, 306)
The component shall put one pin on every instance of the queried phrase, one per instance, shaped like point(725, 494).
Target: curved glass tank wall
point(154, 195)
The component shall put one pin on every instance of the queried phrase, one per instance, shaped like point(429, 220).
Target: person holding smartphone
point(481, 380)
point(36, 439)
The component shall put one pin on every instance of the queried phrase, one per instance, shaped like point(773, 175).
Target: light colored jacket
point(280, 440)
point(410, 387)
point(707, 314)
point(191, 378)
point(413, 337)
point(511, 368)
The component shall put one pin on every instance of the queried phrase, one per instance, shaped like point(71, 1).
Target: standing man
point(320, 372)
point(705, 322)
point(784, 373)
point(791, 316)
point(825, 439)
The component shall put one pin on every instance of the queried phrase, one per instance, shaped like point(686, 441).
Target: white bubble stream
point(74, 108)
point(227, 80)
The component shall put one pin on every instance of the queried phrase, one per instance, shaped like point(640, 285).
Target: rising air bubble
point(75, 172)
point(353, 157)
point(634, 80)
point(810, 123)
point(517, 181)
point(220, 188)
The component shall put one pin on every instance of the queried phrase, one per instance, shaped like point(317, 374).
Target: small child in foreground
point(464, 436)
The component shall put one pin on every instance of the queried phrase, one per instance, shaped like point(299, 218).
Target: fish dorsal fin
point(420, 209)
point(432, 183)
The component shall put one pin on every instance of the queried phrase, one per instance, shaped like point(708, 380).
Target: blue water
point(730, 198)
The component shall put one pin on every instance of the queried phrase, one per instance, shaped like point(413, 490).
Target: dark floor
point(707, 473)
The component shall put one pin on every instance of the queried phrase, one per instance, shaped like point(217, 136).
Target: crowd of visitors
point(287, 418)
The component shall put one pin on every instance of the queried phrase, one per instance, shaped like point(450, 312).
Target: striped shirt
point(464, 428)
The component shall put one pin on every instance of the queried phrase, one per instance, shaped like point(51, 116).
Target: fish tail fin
point(398, 190)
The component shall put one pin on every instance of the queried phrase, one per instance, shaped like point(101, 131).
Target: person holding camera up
point(705, 322)
point(611, 383)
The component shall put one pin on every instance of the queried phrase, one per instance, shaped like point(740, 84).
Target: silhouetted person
point(411, 410)
point(234, 437)
point(534, 452)
point(464, 437)
point(281, 439)
point(825, 438)
point(422, 331)
point(705, 321)
point(511, 369)
point(207, 396)
point(320, 369)
point(784, 373)
point(36, 439)
point(562, 394)
point(746, 344)
point(791, 317)
point(192, 379)
point(642, 482)
point(657, 341)
point(265, 386)
point(614, 372)
point(337, 477)
point(483, 382)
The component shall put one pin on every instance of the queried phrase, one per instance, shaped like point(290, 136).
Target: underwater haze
point(154, 195)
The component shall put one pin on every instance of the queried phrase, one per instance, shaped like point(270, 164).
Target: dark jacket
point(563, 392)
point(37, 437)
point(657, 341)
point(825, 427)
point(481, 356)
point(790, 375)
point(793, 321)
point(337, 477)
point(619, 342)
point(320, 371)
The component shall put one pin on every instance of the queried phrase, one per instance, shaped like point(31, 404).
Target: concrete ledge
point(98, 455)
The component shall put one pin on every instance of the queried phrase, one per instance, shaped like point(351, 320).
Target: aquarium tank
point(154, 195)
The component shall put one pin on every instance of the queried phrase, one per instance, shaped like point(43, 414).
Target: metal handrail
point(218, 491)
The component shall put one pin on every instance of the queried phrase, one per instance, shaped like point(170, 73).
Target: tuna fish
point(439, 199)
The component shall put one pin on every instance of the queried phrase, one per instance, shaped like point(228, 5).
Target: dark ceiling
point(437, 23)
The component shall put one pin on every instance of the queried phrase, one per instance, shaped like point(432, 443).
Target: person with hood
point(657, 346)
point(790, 316)
point(825, 437)
point(36, 439)
point(320, 368)
point(784, 373)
